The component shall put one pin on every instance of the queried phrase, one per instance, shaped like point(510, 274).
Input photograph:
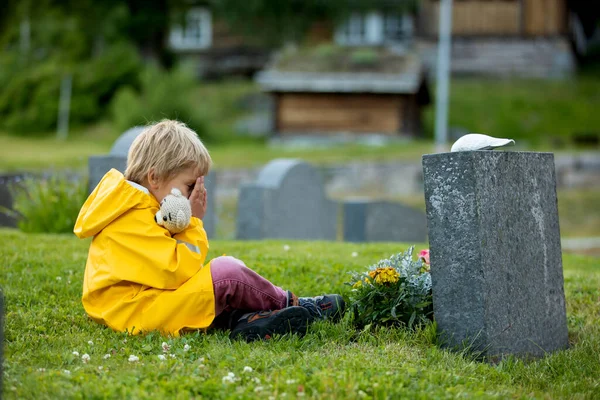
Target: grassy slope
point(41, 276)
point(529, 109)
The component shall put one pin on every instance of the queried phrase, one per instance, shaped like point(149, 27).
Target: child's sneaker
point(265, 324)
point(329, 306)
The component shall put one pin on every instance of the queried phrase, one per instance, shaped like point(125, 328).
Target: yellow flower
point(360, 283)
point(384, 275)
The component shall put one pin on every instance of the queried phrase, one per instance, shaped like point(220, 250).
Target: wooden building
point(210, 45)
point(490, 37)
point(383, 96)
point(499, 18)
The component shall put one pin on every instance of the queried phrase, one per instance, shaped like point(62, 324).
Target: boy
point(140, 278)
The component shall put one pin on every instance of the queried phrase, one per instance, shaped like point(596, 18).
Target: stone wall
point(391, 179)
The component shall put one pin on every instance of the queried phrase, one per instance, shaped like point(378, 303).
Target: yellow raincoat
point(137, 277)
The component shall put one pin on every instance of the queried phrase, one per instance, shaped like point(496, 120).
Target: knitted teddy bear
point(175, 212)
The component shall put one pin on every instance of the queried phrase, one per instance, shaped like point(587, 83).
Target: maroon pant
point(238, 288)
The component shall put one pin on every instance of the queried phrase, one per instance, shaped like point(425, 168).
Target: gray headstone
point(287, 201)
point(383, 221)
point(123, 142)
point(1, 340)
point(210, 217)
point(7, 183)
point(98, 166)
point(496, 263)
point(117, 158)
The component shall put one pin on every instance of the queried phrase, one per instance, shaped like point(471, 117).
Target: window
point(375, 28)
point(397, 28)
point(195, 34)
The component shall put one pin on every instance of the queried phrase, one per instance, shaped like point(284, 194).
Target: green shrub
point(163, 95)
point(48, 205)
point(30, 95)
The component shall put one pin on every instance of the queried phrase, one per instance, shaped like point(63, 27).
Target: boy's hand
point(198, 199)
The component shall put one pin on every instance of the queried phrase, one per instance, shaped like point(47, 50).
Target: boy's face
point(184, 181)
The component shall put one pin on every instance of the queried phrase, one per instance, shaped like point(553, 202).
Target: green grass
point(41, 277)
point(538, 113)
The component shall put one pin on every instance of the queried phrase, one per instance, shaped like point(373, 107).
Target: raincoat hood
point(113, 197)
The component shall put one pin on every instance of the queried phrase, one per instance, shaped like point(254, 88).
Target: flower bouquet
point(395, 291)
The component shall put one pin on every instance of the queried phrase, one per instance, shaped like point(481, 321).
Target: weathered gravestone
point(287, 201)
point(378, 221)
point(1, 340)
point(117, 159)
point(496, 263)
point(7, 183)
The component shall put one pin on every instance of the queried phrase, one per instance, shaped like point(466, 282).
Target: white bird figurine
point(477, 141)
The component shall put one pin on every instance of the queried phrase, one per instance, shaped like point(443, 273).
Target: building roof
point(345, 70)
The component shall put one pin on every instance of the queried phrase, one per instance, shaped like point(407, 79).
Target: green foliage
point(30, 96)
point(534, 112)
point(48, 205)
point(163, 94)
point(394, 291)
point(364, 57)
point(41, 278)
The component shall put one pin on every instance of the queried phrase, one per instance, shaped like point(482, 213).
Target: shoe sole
point(289, 320)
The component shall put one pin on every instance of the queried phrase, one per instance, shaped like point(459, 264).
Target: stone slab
point(287, 201)
point(382, 221)
point(7, 182)
point(2, 311)
point(496, 263)
point(121, 146)
point(98, 166)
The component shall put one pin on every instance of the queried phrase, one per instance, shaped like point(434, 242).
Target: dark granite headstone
point(7, 182)
point(1, 340)
point(287, 201)
point(383, 221)
point(117, 158)
point(496, 262)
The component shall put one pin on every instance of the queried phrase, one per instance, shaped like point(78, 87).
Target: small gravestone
point(1, 340)
point(382, 221)
point(117, 159)
point(287, 201)
point(496, 263)
point(7, 183)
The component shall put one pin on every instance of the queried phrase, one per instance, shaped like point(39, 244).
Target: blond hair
point(168, 147)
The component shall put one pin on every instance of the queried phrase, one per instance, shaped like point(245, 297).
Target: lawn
point(41, 277)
